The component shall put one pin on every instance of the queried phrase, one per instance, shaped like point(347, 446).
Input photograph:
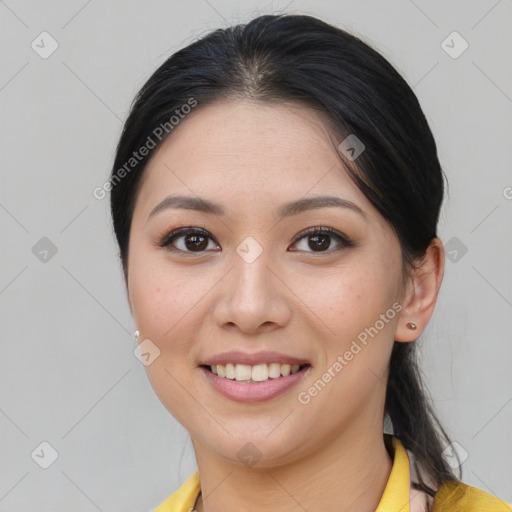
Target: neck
point(348, 473)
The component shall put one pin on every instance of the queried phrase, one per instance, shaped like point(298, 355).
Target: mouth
point(253, 383)
point(251, 374)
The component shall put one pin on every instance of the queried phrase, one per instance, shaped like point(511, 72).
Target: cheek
point(347, 306)
point(355, 316)
point(160, 298)
point(160, 302)
point(347, 300)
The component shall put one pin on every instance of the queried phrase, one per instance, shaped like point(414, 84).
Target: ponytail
point(413, 418)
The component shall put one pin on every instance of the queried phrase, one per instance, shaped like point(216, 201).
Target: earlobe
point(421, 293)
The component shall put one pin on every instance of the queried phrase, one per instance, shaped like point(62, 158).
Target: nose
point(252, 298)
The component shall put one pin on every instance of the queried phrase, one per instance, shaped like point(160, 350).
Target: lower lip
point(241, 391)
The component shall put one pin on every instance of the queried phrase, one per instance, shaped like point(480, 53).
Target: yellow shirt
point(451, 497)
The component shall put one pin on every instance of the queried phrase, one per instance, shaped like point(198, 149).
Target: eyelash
point(166, 241)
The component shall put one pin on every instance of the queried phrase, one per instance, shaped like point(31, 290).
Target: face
point(250, 281)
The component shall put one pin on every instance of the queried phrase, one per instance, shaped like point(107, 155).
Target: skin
point(251, 158)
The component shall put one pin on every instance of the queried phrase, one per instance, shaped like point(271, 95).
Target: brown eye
point(195, 242)
point(320, 240)
point(188, 240)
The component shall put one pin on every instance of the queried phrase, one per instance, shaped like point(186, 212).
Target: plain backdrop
point(68, 374)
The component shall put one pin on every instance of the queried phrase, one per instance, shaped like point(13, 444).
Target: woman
point(275, 197)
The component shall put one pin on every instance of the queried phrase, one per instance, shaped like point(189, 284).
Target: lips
point(244, 377)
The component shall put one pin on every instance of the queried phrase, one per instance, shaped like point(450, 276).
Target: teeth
point(230, 371)
point(274, 370)
point(243, 372)
point(260, 372)
point(256, 373)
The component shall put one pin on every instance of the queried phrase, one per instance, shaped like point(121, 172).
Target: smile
point(253, 383)
point(254, 373)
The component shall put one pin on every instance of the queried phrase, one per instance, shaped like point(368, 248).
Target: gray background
point(68, 374)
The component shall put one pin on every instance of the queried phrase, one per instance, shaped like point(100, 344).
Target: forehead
point(251, 150)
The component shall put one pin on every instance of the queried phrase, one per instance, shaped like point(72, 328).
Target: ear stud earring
point(411, 326)
point(136, 334)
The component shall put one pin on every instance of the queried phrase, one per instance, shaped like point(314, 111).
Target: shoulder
point(184, 499)
point(456, 496)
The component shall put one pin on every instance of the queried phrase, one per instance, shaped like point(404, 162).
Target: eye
point(319, 239)
point(188, 239)
point(192, 239)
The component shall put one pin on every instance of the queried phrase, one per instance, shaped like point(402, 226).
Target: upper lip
point(266, 357)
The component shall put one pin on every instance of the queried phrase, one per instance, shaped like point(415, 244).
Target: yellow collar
point(395, 497)
point(396, 493)
point(451, 497)
point(184, 499)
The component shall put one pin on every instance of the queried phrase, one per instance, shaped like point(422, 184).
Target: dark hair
point(300, 59)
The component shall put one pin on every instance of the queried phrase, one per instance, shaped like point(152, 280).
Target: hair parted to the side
point(301, 59)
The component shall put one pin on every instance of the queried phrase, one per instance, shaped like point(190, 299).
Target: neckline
point(396, 495)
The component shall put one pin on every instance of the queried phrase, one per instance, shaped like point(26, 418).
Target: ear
point(420, 294)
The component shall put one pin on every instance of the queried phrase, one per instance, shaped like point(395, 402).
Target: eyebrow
point(287, 210)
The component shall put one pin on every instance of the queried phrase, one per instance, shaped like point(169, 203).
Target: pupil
point(319, 242)
point(196, 242)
